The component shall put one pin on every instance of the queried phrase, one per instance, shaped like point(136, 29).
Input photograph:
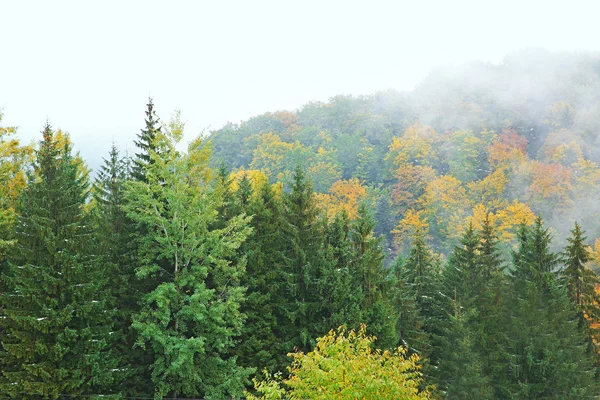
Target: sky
point(89, 66)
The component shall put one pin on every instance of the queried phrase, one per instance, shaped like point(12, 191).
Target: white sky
point(89, 66)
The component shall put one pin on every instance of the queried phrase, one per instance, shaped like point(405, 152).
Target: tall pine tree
point(146, 143)
point(545, 349)
point(57, 321)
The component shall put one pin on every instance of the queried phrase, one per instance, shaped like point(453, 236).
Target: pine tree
point(416, 298)
point(191, 317)
point(460, 366)
point(304, 306)
point(57, 328)
point(581, 283)
point(546, 349)
point(147, 143)
point(115, 236)
point(259, 344)
point(370, 276)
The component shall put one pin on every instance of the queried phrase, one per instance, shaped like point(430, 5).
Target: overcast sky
point(89, 66)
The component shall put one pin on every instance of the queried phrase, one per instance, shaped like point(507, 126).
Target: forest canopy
point(437, 243)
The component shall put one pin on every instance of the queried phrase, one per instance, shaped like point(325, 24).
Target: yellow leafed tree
point(343, 196)
point(344, 365)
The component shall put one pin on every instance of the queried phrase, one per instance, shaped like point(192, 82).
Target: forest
point(438, 243)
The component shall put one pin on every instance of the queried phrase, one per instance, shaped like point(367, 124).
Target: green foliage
point(546, 354)
point(259, 344)
point(190, 318)
point(147, 143)
point(115, 237)
point(57, 320)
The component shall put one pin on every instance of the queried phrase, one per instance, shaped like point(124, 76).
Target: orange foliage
point(552, 184)
point(510, 148)
point(343, 196)
point(412, 182)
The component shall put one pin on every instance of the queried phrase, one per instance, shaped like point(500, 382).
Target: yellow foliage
point(13, 160)
point(343, 196)
point(415, 147)
point(594, 252)
point(344, 365)
point(509, 219)
point(490, 190)
point(413, 223)
point(257, 178)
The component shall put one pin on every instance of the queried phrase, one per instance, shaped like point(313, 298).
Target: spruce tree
point(416, 298)
point(57, 318)
point(580, 280)
point(472, 283)
point(146, 143)
point(259, 344)
point(581, 283)
point(191, 317)
point(545, 349)
point(304, 234)
point(342, 299)
point(115, 236)
point(370, 276)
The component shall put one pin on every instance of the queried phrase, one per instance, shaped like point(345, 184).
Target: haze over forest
point(370, 226)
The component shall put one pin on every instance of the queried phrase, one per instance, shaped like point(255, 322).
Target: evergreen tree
point(416, 298)
point(57, 321)
point(340, 296)
point(116, 241)
point(370, 276)
point(259, 344)
point(472, 295)
point(581, 283)
point(303, 231)
point(580, 280)
point(191, 317)
point(546, 351)
point(460, 366)
point(147, 143)
point(460, 277)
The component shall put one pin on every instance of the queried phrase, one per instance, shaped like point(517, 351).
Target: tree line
point(169, 277)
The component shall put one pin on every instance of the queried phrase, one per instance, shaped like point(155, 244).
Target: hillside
point(518, 138)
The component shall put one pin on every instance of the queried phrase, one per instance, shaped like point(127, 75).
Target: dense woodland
point(437, 243)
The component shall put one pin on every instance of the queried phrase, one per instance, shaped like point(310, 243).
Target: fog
point(89, 69)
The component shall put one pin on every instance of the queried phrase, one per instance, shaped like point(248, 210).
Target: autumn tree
point(344, 365)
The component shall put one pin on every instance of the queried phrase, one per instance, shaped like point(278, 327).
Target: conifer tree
point(341, 298)
point(546, 349)
point(259, 345)
point(115, 236)
point(146, 143)
point(460, 366)
point(416, 298)
point(370, 276)
point(581, 283)
point(304, 308)
point(472, 283)
point(191, 317)
point(580, 280)
point(57, 321)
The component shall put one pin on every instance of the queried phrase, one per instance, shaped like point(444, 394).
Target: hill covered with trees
point(439, 243)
